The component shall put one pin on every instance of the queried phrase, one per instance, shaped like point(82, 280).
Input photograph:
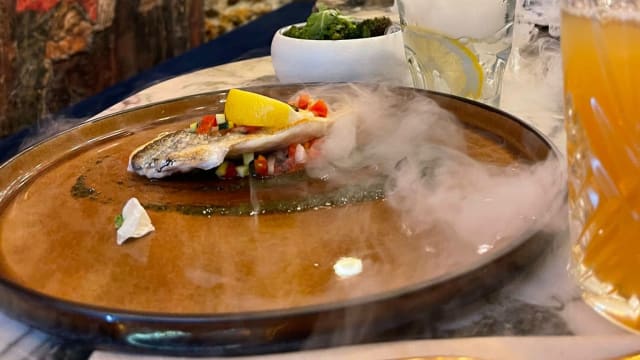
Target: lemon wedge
point(447, 64)
point(251, 109)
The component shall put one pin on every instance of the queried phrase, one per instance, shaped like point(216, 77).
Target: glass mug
point(601, 63)
point(458, 46)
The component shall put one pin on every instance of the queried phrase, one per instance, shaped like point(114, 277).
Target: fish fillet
point(183, 151)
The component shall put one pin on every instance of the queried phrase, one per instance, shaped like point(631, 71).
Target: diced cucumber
point(247, 158)
point(223, 126)
point(220, 119)
point(193, 127)
point(271, 165)
point(242, 170)
point(300, 155)
point(221, 171)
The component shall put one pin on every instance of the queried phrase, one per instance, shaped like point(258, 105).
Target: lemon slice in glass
point(251, 109)
point(446, 63)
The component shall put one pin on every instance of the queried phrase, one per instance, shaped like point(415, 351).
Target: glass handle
point(417, 72)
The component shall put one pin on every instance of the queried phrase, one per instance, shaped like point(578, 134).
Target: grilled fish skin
point(183, 151)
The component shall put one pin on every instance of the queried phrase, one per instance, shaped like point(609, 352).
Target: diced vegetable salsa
point(274, 163)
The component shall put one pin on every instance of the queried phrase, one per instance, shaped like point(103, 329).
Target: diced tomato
point(211, 119)
point(260, 165)
point(307, 145)
point(313, 153)
point(231, 172)
point(289, 164)
point(315, 148)
point(206, 123)
point(291, 152)
point(303, 101)
point(319, 108)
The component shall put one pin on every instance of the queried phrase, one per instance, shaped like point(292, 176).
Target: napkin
point(496, 348)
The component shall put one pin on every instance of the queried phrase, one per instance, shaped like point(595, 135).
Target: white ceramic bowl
point(375, 59)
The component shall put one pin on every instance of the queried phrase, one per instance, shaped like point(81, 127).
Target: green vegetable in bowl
point(328, 24)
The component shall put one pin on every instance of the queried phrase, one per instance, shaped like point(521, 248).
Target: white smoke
point(432, 181)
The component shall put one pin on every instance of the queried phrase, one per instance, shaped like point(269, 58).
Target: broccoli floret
point(373, 27)
point(297, 32)
point(328, 24)
point(339, 29)
point(323, 25)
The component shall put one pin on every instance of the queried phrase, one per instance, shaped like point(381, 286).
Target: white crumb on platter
point(347, 267)
point(136, 222)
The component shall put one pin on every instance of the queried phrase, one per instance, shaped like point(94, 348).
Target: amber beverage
point(601, 57)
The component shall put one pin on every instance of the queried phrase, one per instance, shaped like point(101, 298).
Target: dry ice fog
point(431, 180)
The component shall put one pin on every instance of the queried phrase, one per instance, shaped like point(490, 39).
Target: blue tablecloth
point(248, 41)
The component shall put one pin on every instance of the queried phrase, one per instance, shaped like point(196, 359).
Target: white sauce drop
point(136, 222)
point(347, 267)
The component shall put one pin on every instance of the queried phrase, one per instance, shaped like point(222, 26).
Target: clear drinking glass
point(458, 46)
point(601, 64)
point(532, 81)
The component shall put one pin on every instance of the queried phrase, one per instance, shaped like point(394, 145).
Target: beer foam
point(620, 13)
